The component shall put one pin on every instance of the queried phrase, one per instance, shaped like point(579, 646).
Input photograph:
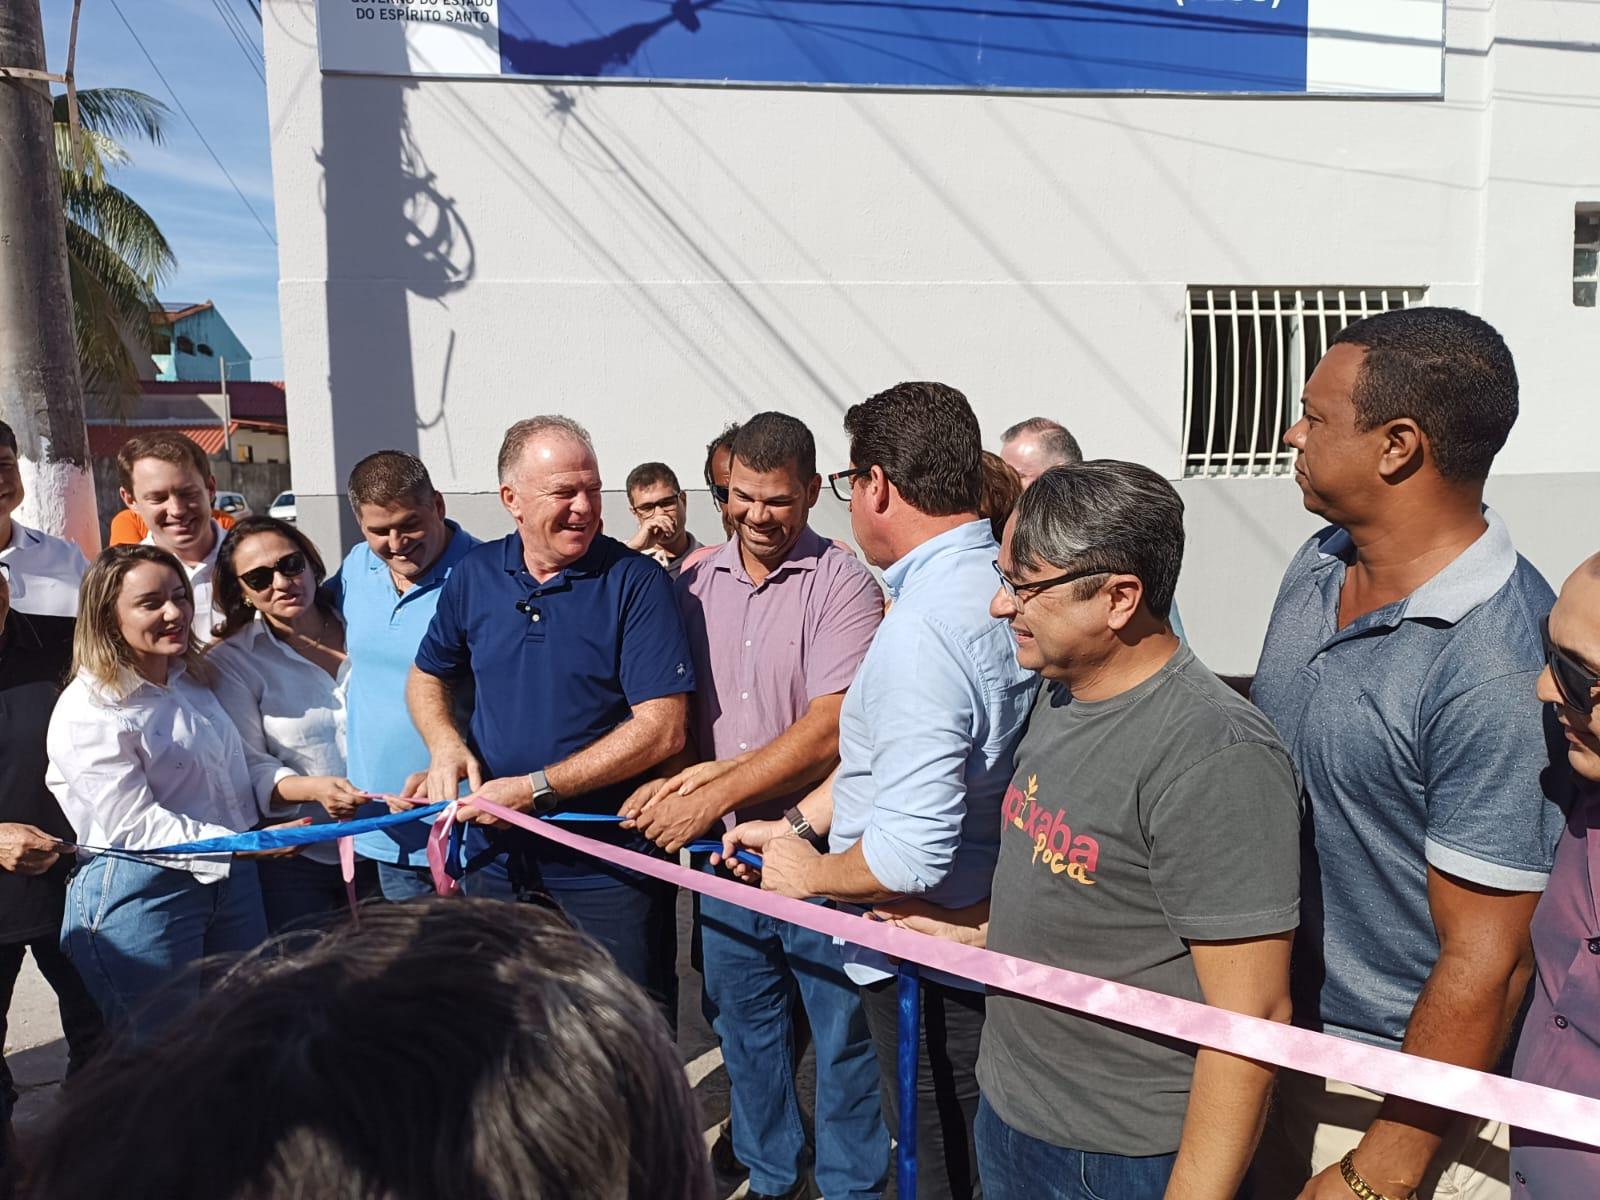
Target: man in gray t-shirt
point(1150, 835)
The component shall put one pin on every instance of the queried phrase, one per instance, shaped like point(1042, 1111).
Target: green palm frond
point(117, 113)
point(116, 254)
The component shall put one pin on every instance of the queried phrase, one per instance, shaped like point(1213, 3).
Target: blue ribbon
point(312, 835)
point(908, 990)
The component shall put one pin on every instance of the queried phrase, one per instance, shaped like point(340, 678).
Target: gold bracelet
point(1358, 1185)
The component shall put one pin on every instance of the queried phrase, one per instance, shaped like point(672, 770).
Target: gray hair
point(524, 431)
point(1117, 515)
point(1054, 439)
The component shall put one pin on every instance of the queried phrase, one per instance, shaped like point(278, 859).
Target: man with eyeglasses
point(662, 510)
point(1399, 668)
point(1150, 836)
point(926, 733)
point(1560, 1042)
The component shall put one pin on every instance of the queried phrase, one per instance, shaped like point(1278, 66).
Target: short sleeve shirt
point(558, 665)
point(383, 627)
point(763, 653)
point(1421, 743)
point(1132, 826)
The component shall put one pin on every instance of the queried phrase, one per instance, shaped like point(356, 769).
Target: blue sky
point(223, 254)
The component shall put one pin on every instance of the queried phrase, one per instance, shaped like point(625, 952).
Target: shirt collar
point(208, 563)
point(593, 561)
point(1471, 578)
point(804, 555)
point(973, 535)
point(128, 682)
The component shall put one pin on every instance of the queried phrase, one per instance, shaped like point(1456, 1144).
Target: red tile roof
point(106, 439)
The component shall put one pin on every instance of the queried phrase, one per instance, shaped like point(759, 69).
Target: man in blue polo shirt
point(582, 676)
point(1399, 668)
point(387, 589)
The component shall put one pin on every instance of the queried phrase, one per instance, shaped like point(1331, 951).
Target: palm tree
point(116, 254)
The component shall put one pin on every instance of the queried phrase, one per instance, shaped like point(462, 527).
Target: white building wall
point(656, 261)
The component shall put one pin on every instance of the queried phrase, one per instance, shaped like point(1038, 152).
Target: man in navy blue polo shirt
point(582, 675)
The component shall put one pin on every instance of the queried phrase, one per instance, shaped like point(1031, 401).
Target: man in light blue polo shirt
point(1399, 668)
point(926, 735)
point(387, 588)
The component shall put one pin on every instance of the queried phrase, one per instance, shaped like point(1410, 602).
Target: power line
point(246, 47)
point(173, 93)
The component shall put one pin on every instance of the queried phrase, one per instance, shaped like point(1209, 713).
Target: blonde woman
point(142, 755)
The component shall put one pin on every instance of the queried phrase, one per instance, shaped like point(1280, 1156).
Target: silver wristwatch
point(802, 828)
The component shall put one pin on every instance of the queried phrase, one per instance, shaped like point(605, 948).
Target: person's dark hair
point(1054, 437)
point(8, 438)
point(1001, 488)
point(651, 473)
point(771, 441)
point(460, 1049)
point(173, 448)
point(1447, 370)
point(1117, 515)
point(387, 478)
point(926, 439)
point(228, 594)
point(725, 438)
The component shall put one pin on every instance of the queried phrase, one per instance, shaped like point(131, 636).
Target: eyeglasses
point(1020, 592)
point(719, 495)
point(666, 504)
point(289, 566)
point(1574, 681)
point(847, 478)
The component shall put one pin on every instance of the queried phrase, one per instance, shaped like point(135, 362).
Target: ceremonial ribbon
point(1529, 1106)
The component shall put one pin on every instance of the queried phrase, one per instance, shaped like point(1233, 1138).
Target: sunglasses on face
point(289, 566)
point(719, 495)
point(1574, 680)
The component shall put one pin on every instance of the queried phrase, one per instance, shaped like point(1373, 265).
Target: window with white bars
point(1248, 355)
point(1585, 254)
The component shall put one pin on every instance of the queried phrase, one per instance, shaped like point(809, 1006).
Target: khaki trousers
point(1314, 1122)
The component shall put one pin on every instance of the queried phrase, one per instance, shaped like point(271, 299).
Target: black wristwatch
point(802, 827)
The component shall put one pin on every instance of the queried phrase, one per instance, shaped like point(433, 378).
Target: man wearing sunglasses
point(1561, 1034)
point(1399, 668)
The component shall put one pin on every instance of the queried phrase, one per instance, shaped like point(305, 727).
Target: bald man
point(1032, 447)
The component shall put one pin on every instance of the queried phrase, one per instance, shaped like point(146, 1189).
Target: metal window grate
point(1585, 254)
point(1248, 354)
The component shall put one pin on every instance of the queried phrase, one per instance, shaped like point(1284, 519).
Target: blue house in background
point(191, 341)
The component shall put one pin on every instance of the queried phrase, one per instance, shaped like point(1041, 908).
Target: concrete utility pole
point(40, 397)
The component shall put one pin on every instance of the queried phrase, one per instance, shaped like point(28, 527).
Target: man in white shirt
point(166, 480)
point(45, 571)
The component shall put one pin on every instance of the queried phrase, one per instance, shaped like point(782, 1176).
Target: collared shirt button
point(1560, 1022)
point(744, 746)
point(1522, 1179)
point(747, 641)
point(744, 695)
point(1594, 945)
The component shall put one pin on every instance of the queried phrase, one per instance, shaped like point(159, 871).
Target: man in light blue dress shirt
point(926, 736)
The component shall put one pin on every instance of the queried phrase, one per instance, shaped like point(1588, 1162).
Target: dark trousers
point(1019, 1167)
point(947, 1082)
point(80, 1018)
point(636, 919)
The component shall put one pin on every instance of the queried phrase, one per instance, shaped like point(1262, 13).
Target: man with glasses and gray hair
point(1150, 836)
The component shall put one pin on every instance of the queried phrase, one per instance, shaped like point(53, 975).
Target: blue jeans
point(1015, 1166)
point(755, 971)
point(135, 932)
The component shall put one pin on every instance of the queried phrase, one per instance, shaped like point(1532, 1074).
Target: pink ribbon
point(1443, 1085)
point(439, 850)
point(347, 869)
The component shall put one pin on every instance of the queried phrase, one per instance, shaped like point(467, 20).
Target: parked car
point(282, 507)
point(232, 503)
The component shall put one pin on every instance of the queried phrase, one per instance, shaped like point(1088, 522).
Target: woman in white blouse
point(280, 674)
point(143, 756)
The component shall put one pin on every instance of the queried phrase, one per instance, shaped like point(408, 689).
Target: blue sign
point(1196, 46)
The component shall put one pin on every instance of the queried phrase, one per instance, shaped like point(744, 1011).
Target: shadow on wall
point(382, 207)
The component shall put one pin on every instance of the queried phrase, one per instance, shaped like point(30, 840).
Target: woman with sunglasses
point(281, 668)
point(142, 756)
point(1560, 1042)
